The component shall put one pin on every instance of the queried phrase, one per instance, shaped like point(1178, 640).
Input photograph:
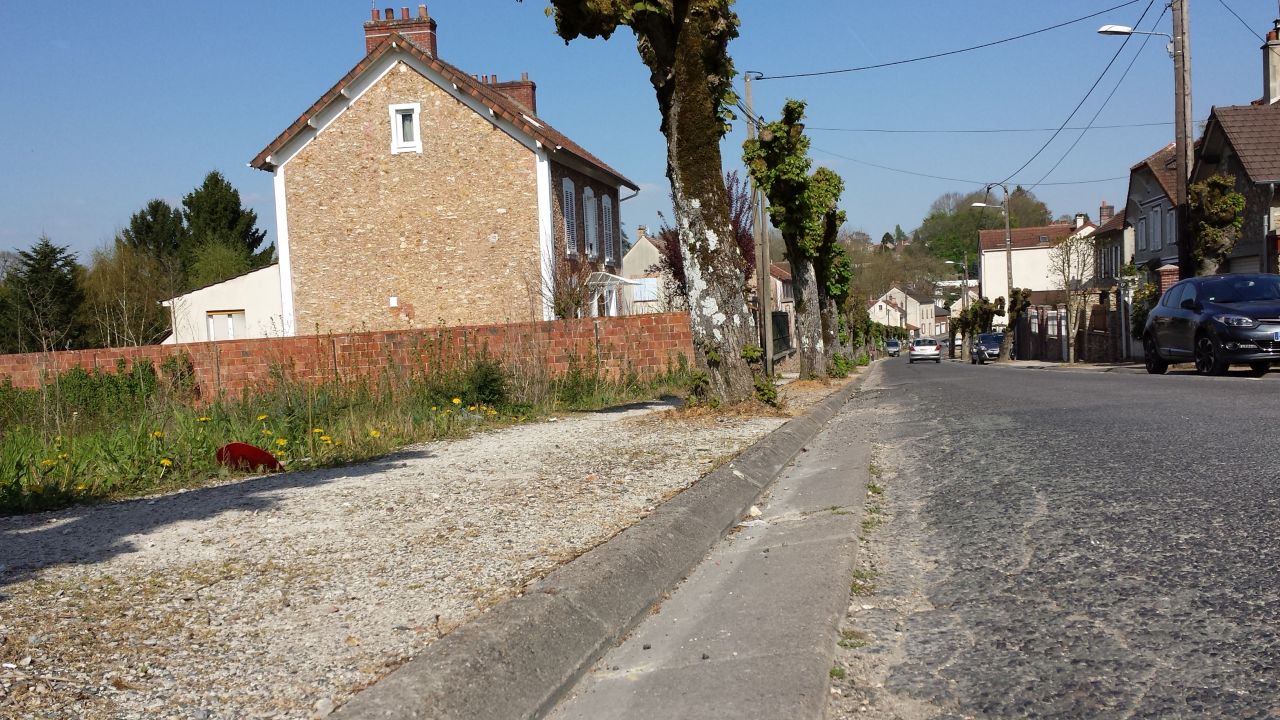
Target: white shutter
point(610, 251)
point(569, 208)
point(589, 219)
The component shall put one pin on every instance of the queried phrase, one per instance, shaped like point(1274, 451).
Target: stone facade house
point(413, 194)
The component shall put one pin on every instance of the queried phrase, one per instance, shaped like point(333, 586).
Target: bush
point(841, 366)
point(1145, 297)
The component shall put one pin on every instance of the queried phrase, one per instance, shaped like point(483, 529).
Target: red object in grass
point(243, 456)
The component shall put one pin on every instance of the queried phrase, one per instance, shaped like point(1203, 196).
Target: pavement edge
point(518, 659)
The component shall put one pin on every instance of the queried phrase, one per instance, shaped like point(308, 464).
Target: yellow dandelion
point(166, 462)
point(48, 463)
point(157, 434)
point(433, 408)
point(472, 408)
point(457, 401)
point(262, 417)
point(36, 488)
point(375, 433)
point(80, 487)
point(63, 456)
point(326, 439)
point(267, 431)
point(281, 442)
point(203, 418)
point(318, 431)
point(337, 443)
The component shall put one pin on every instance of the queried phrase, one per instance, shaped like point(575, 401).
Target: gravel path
point(281, 596)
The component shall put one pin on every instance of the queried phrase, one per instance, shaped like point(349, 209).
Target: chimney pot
point(389, 14)
point(422, 11)
point(404, 13)
point(524, 76)
point(374, 13)
point(420, 31)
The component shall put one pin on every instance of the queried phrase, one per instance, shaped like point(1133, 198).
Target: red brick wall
point(644, 344)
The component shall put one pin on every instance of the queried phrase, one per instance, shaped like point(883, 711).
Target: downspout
point(1266, 236)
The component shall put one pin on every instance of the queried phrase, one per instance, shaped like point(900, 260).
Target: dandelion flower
point(80, 487)
point(157, 434)
point(375, 433)
point(472, 408)
point(281, 442)
point(63, 456)
point(203, 419)
point(262, 417)
point(457, 401)
point(267, 432)
point(318, 431)
point(48, 463)
point(433, 408)
point(326, 439)
point(166, 462)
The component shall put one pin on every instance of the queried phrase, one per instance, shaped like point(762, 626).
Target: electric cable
point(935, 56)
point(983, 130)
point(1242, 22)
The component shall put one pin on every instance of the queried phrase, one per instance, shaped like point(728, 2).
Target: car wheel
point(911, 361)
point(1151, 357)
point(1260, 368)
point(938, 361)
point(1208, 358)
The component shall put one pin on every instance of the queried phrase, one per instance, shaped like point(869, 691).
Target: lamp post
point(1180, 51)
point(1006, 344)
point(964, 303)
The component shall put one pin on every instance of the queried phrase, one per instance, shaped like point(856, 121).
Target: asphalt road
point(1067, 544)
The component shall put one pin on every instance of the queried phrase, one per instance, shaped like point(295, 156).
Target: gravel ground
point(281, 596)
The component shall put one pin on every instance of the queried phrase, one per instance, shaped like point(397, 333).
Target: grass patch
point(863, 582)
point(851, 640)
point(870, 524)
point(875, 488)
point(836, 673)
point(86, 436)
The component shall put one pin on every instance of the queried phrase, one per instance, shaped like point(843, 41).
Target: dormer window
point(405, 136)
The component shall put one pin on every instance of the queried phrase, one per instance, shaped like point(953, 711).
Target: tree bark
point(809, 346)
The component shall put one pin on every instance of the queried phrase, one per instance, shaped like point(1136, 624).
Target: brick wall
point(644, 344)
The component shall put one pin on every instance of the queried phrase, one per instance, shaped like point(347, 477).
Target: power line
point(1080, 104)
point(1242, 22)
point(985, 130)
point(969, 181)
point(949, 52)
point(1103, 106)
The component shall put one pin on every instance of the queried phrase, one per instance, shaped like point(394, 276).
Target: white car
point(924, 349)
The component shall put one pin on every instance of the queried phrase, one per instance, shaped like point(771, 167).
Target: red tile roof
point(1025, 237)
point(779, 272)
point(1115, 223)
point(1163, 164)
point(1254, 132)
point(493, 99)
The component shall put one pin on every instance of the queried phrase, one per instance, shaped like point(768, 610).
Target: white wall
point(256, 294)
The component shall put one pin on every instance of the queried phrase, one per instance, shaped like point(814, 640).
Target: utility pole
point(764, 281)
point(1182, 129)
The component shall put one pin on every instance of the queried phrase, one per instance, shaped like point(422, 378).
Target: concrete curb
point(517, 660)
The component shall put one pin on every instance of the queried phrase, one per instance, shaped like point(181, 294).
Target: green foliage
point(841, 366)
point(766, 390)
point(952, 225)
point(1217, 215)
point(156, 231)
point(90, 435)
point(1145, 297)
point(42, 300)
point(124, 288)
point(213, 213)
point(752, 353)
point(778, 160)
point(215, 261)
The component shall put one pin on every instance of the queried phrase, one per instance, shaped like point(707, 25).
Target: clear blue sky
point(109, 104)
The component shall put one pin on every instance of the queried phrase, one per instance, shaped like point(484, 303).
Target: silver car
point(924, 349)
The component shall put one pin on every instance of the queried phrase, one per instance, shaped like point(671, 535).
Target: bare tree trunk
point(721, 322)
point(809, 346)
point(830, 330)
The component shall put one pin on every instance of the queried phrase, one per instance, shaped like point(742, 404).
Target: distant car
point(985, 347)
point(893, 347)
point(1215, 321)
point(924, 349)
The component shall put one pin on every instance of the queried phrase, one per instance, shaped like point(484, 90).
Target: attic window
point(405, 136)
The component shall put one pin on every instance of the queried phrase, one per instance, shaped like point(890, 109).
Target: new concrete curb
point(517, 660)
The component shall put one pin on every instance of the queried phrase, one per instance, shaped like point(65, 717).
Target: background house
point(640, 264)
point(1150, 209)
point(412, 193)
point(244, 307)
point(1030, 259)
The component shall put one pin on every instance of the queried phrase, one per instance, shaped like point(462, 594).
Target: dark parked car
point(1215, 321)
point(985, 347)
point(893, 347)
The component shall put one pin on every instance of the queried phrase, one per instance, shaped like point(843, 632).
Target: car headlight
point(1236, 320)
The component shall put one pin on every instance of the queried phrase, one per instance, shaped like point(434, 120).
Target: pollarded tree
point(1071, 266)
point(685, 45)
point(1216, 211)
point(778, 161)
point(830, 263)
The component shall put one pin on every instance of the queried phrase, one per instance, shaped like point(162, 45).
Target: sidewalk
point(751, 632)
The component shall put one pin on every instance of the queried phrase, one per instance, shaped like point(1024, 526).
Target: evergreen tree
point(214, 214)
point(156, 230)
point(42, 299)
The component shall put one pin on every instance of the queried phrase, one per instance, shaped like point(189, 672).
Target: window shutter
point(610, 250)
point(570, 210)
point(589, 219)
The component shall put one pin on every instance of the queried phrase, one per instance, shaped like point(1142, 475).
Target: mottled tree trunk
point(830, 330)
point(809, 344)
point(721, 321)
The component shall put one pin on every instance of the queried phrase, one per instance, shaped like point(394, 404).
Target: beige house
point(647, 294)
point(412, 194)
point(247, 306)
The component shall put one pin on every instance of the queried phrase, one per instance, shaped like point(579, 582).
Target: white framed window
point(606, 216)
point(569, 208)
point(225, 324)
point(405, 133)
point(589, 220)
point(646, 291)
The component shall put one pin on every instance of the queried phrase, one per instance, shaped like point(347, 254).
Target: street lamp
point(1006, 344)
point(1180, 51)
point(964, 304)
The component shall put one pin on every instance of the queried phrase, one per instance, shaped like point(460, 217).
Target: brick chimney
point(420, 30)
point(524, 91)
point(1106, 211)
point(1271, 66)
